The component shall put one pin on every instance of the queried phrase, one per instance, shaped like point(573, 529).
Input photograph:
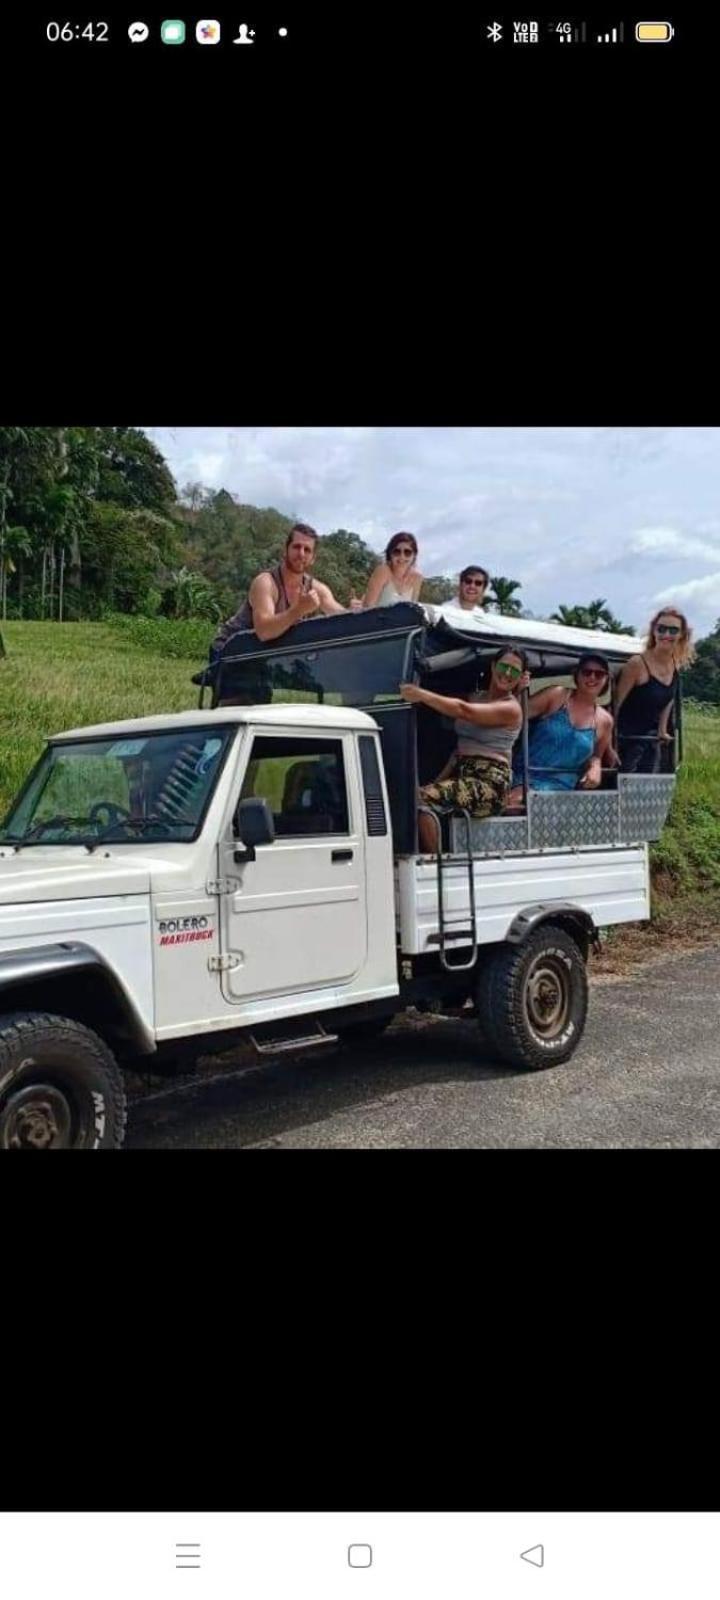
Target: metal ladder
point(455, 933)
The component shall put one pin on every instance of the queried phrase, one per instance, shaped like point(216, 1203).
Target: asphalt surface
point(647, 1074)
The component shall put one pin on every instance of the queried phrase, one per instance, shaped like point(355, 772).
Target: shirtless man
point(279, 598)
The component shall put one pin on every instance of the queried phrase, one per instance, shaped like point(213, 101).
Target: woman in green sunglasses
point(646, 690)
point(477, 776)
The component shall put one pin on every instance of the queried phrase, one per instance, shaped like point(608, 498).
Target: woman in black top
point(646, 690)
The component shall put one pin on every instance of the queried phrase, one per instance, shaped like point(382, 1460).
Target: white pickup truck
point(171, 884)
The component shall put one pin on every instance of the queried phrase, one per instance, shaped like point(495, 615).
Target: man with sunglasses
point(472, 589)
point(569, 733)
point(279, 598)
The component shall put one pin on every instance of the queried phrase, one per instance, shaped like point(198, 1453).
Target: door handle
point(341, 855)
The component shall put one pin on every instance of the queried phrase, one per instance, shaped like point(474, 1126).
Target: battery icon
point(653, 32)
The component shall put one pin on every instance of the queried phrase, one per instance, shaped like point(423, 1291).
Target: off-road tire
point(78, 1101)
point(532, 999)
point(359, 1033)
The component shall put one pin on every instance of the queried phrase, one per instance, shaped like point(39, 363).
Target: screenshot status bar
point(243, 35)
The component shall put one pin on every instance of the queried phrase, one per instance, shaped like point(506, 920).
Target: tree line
point(92, 523)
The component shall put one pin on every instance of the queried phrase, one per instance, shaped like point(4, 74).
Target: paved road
point(647, 1074)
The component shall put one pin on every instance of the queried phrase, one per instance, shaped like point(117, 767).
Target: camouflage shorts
point(478, 785)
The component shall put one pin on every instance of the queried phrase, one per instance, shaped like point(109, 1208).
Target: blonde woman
point(396, 578)
point(646, 691)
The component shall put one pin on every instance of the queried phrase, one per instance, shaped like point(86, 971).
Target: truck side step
point(304, 1041)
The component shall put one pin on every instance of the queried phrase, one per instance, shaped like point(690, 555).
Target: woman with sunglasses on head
point(570, 732)
point(646, 691)
point(477, 776)
point(396, 578)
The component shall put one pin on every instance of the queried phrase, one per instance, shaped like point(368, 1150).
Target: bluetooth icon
point(495, 32)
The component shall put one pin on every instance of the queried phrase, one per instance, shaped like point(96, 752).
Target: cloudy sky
point(629, 514)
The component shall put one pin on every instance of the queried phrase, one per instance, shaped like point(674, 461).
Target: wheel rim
point(547, 996)
point(37, 1117)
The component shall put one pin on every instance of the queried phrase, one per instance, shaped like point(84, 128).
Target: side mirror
point(254, 824)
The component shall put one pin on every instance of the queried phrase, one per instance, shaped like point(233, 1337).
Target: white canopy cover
point(527, 631)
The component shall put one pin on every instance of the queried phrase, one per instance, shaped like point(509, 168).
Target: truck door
point(297, 919)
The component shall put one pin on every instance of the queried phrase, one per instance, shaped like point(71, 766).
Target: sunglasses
point(593, 672)
point(474, 583)
point(403, 550)
point(505, 669)
point(664, 627)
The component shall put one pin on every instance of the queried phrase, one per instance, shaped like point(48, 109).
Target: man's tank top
point(640, 714)
point(244, 617)
point(476, 741)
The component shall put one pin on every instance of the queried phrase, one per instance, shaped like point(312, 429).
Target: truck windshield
point(128, 790)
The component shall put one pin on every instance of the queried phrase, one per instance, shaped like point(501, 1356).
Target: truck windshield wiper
point(137, 824)
point(39, 828)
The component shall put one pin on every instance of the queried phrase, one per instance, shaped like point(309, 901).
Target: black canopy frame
point(360, 659)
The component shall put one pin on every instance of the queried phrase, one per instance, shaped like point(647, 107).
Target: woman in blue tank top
point(569, 732)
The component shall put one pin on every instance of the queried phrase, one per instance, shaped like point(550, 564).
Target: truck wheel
point(365, 1032)
point(60, 1086)
point(532, 999)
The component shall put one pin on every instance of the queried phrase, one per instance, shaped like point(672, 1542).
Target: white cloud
point(701, 595)
point(206, 467)
point(672, 543)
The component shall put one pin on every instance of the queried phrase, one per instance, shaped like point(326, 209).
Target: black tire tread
point(19, 1028)
point(500, 1000)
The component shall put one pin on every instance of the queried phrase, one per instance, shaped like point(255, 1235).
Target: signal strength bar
point(615, 35)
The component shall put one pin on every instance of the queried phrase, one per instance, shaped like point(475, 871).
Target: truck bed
point(613, 885)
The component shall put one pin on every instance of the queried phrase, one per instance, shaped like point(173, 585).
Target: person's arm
point(631, 674)
point(493, 714)
point(418, 582)
point(539, 705)
point(663, 732)
point(267, 622)
point(593, 776)
point(375, 585)
point(328, 603)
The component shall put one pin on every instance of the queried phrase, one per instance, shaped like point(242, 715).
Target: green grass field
point(57, 676)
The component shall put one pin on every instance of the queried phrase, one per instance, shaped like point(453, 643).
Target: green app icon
point(173, 32)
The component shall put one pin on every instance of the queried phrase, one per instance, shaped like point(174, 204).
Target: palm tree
point(598, 614)
point(570, 616)
point(595, 615)
point(502, 596)
point(188, 595)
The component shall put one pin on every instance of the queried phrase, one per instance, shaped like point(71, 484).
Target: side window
point(303, 781)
